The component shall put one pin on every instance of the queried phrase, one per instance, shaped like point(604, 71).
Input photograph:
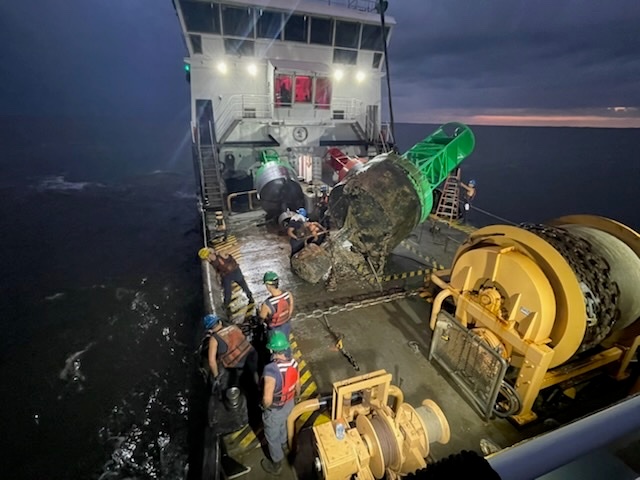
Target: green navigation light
point(187, 67)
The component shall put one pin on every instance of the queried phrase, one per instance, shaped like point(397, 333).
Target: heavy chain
point(350, 304)
point(592, 271)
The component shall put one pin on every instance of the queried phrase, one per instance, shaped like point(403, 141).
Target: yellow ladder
point(449, 204)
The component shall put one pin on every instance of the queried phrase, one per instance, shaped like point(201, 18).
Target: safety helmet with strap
point(270, 278)
point(210, 320)
point(278, 342)
point(204, 253)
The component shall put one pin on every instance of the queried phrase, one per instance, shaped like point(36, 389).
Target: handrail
point(236, 107)
point(233, 108)
point(231, 196)
point(360, 5)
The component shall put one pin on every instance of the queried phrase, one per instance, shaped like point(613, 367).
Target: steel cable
point(387, 441)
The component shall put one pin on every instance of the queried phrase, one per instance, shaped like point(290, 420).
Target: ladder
point(211, 182)
point(449, 204)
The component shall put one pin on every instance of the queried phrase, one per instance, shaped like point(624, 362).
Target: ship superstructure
point(297, 82)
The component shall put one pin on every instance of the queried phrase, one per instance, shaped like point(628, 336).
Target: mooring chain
point(592, 271)
point(352, 305)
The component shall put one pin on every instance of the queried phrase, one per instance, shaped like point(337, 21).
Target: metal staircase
point(212, 183)
point(449, 204)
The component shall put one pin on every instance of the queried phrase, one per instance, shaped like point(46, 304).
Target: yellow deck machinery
point(536, 306)
point(367, 437)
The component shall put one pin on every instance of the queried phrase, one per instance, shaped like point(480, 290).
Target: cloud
point(557, 56)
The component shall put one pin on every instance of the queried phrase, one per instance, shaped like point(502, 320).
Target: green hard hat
point(270, 277)
point(278, 342)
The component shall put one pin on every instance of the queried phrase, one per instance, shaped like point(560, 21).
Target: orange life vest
point(224, 265)
point(279, 308)
point(237, 345)
point(289, 378)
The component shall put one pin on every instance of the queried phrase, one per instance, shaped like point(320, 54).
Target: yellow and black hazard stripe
point(246, 439)
point(429, 260)
point(456, 224)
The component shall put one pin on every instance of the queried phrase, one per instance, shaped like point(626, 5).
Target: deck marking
point(305, 377)
point(309, 391)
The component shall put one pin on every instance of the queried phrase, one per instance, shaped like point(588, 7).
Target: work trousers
point(237, 277)
point(296, 245)
point(275, 429)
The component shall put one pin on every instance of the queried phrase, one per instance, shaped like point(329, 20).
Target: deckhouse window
point(321, 31)
point(377, 59)
point(347, 34)
point(196, 43)
point(303, 89)
point(237, 46)
point(296, 27)
point(201, 17)
point(269, 24)
point(290, 89)
point(323, 93)
point(372, 38)
point(283, 90)
point(237, 22)
point(347, 57)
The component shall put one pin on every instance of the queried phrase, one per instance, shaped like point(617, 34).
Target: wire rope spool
point(434, 421)
point(383, 425)
point(370, 436)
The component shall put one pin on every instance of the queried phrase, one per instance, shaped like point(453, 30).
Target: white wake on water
point(71, 372)
point(58, 183)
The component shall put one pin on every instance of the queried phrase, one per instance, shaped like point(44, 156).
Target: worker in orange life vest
point(277, 309)
point(281, 385)
point(229, 346)
point(229, 271)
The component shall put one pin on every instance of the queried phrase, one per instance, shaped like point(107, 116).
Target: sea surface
point(100, 288)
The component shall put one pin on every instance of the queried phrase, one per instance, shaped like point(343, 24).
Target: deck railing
point(238, 107)
point(361, 5)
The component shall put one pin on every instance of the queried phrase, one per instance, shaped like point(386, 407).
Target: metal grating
point(472, 364)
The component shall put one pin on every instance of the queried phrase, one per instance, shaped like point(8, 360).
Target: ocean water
point(100, 287)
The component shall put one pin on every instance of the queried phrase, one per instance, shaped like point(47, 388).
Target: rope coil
point(387, 441)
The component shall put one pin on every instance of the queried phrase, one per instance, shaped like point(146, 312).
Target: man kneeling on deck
point(230, 346)
point(229, 271)
point(281, 385)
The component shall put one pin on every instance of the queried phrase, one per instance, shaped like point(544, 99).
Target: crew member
point(281, 384)
point(229, 271)
point(229, 346)
point(295, 231)
point(315, 233)
point(323, 207)
point(468, 196)
point(277, 309)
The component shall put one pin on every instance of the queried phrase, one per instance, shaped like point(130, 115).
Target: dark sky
point(572, 62)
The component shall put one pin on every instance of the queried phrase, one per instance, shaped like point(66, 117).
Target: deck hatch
point(474, 367)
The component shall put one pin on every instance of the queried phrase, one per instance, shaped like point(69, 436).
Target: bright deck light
point(252, 69)
point(222, 67)
point(360, 76)
point(338, 74)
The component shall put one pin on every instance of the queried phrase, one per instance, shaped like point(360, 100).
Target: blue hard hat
point(324, 188)
point(210, 320)
point(302, 211)
point(472, 183)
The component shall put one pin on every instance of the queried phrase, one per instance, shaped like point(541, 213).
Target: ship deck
point(391, 335)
